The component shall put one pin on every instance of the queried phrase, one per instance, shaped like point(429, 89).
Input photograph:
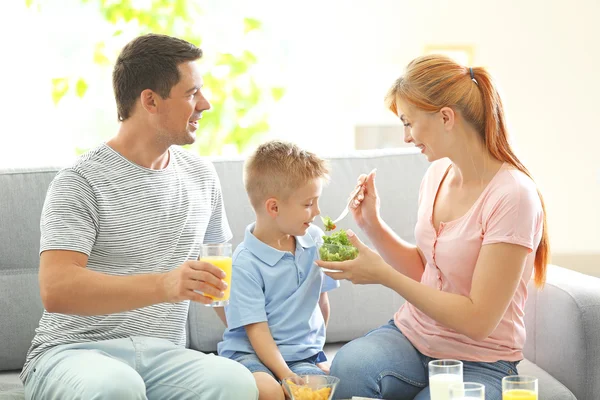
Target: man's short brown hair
point(277, 169)
point(149, 62)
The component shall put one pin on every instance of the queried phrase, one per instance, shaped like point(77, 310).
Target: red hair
point(433, 82)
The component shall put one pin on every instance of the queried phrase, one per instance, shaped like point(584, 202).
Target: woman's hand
point(367, 268)
point(365, 207)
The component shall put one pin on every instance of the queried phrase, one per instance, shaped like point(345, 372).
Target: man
point(121, 233)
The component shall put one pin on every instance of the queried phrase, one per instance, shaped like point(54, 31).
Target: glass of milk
point(467, 391)
point(442, 374)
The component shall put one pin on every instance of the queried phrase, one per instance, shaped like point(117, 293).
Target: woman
point(480, 235)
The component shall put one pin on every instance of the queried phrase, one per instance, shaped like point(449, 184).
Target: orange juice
point(223, 263)
point(519, 394)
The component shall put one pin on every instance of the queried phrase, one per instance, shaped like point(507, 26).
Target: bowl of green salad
point(336, 246)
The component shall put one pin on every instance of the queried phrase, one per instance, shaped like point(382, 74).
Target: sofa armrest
point(563, 330)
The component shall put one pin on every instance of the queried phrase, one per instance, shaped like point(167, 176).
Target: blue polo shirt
point(282, 289)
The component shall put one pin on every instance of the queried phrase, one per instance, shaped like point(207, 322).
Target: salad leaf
point(337, 247)
point(328, 222)
point(340, 237)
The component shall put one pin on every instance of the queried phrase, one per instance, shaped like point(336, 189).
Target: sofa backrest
point(354, 309)
point(22, 194)
point(563, 329)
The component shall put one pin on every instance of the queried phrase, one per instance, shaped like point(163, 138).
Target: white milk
point(439, 385)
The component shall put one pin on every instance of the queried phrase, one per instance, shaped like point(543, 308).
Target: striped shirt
point(129, 220)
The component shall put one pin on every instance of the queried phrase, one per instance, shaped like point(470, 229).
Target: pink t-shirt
point(509, 210)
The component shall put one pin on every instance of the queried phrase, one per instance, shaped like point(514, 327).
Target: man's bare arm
point(68, 287)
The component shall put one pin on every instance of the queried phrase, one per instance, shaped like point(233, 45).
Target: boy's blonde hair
point(277, 168)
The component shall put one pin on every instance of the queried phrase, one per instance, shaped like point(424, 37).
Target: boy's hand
point(295, 379)
point(325, 366)
point(191, 276)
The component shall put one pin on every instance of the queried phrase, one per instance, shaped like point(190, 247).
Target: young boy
point(278, 310)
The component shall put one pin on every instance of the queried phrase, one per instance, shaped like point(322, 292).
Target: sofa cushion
point(15, 394)
point(567, 307)
point(549, 388)
point(10, 386)
point(22, 197)
point(205, 329)
point(21, 308)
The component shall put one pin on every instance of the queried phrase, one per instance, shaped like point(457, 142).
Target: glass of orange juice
point(218, 255)
point(519, 387)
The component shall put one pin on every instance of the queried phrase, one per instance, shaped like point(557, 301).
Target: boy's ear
point(272, 207)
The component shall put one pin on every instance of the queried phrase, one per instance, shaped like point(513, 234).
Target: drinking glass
point(442, 374)
point(218, 255)
point(467, 391)
point(519, 387)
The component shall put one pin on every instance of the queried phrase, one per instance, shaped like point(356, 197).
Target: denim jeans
point(300, 367)
point(385, 365)
point(136, 368)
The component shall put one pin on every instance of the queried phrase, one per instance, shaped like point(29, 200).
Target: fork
point(350, 199)
point(347, 208)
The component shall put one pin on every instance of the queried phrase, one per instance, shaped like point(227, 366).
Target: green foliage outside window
point(239, 103)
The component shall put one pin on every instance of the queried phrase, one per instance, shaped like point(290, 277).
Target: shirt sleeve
point(515, 217)
point(247, 300)
point(328, 283)
point(69, 219)
point(218, 230)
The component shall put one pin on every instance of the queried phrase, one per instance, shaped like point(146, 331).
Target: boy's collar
point(270, 255)
point(306, 241)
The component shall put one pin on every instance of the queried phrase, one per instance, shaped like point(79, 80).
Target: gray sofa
point(563, 320)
